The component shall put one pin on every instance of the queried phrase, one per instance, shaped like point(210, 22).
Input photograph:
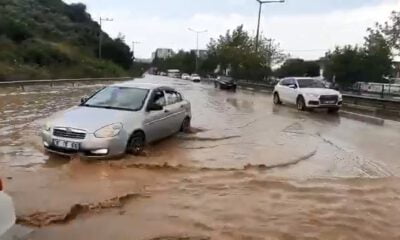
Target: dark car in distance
point(225, 83)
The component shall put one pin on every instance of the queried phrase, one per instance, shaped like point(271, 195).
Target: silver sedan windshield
point(121, 98)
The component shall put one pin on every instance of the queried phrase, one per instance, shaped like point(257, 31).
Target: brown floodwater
point(249, 170)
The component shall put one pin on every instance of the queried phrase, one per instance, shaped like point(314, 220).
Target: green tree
point(118, 52)
point(345, 65)
point(77, 12)
point(235, 52)
point(209, 65)
point(298, 67)
point(378, 57)
point(391, 30)
point(188, 62)
point(370, 63)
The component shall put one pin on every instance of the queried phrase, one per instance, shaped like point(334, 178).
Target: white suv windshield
point(310, 83)
point(121, 98)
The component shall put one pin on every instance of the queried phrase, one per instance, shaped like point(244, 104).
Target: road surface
point(249, 170)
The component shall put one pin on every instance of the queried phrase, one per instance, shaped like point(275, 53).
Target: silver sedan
point(118, 119)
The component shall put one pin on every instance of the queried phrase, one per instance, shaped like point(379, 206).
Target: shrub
point(22, 72)
point(43, 54)
point(50, 39)
point(14, 30)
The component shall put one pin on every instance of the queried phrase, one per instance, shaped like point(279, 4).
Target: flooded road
point(250, 170)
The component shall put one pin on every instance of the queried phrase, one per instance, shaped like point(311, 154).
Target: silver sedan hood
point(89, 119)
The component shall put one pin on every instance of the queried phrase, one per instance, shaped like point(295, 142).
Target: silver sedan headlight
point(47, 127)
point(109, 131)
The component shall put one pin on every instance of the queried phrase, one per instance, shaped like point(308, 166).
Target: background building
point(163, 53)
point(202, 53)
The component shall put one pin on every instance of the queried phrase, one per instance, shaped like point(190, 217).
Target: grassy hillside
point(50, 39)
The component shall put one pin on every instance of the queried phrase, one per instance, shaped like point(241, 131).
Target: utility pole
point(133, 49)
point(259, 18)
point(197, 45)
point(101, 32)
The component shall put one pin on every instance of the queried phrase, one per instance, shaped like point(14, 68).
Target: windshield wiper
point(118, 108)
point(86, 105)
point(109, 107)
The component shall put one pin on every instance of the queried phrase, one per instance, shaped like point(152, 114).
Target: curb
point(363, 118)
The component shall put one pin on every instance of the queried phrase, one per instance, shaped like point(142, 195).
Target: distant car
point(307, 93)
point(226, 83)
point(195, 78)
point(118, 119)
point(163, 74)
point(185, 76)
point(174, 73)
point(7, 211)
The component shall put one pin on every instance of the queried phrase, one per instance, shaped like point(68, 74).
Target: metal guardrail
point(263, 86)
point(345, 95)
point(22, 83)
point(381, 90)
point(372, 98)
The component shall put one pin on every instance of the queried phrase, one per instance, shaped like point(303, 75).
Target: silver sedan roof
point(148, 86)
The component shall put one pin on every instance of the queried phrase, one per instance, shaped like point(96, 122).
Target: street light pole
point(133, 49)
point(259, 18)
point(101, 32)
point(197, 46)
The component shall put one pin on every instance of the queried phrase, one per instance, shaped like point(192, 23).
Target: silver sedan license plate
point(66, 144)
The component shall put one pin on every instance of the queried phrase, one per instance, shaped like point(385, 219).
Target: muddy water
point(249, 171)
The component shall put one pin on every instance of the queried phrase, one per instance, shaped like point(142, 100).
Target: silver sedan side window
point(173, 97)
point(159, 98)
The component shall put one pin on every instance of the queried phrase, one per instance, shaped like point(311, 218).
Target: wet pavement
point(249, 170)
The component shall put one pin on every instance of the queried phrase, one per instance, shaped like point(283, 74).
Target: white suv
point(7, 212)
point(307, 93)
point(195, 77)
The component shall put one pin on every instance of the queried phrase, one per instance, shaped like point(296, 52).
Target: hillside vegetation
point(41, 39)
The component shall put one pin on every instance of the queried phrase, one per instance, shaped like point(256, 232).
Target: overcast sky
point(304, 28)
